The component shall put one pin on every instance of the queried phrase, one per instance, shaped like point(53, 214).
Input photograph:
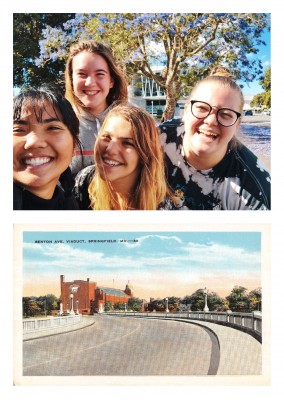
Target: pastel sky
point(157, 264)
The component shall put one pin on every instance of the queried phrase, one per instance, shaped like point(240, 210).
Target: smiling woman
point(94, 85)
point(129, 172)
point(45, 132)
point(206, 164)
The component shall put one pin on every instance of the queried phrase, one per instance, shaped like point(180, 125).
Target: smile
point(37, 161)
point(91, 92)
point(112, 163)
point(208, 134)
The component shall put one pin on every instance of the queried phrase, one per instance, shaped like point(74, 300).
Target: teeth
point(88, 92)
point(111, 162)
point(37, 161)
point(208, 133)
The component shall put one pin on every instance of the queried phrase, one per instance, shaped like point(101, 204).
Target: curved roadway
point(124, 346)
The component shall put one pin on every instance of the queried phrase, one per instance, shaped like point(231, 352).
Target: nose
point(112, 147)
point(35, 139)
point(89, 81)
point(212, 118)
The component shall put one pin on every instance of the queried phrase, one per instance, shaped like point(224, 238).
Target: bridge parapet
point(37, 324)
point(250, 323)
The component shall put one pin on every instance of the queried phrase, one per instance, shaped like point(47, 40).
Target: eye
point(106, 138)
point(128, 143)
point(227, 114)
point(18, 130)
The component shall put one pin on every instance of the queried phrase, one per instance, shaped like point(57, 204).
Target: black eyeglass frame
point(218, 110)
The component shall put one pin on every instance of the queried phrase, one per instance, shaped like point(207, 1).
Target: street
point(124, 346)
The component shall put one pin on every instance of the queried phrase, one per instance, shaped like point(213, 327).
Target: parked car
point(266, 112)
point(248, 112)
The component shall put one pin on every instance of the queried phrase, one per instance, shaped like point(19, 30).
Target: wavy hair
point(118, 93)
point(151, 186)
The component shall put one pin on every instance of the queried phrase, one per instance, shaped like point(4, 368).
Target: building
point(147, 94)
point(85, 297)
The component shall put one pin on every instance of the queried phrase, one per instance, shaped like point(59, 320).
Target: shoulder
point(82, 182)
point(172, 129)
point(250, 161)
point(255, 175)
point(17, 197)
point(85, 175)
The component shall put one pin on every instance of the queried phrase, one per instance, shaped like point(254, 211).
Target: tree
point(187, 45)
point(47, 303)
point(264, 99)
point(173, 303)
point(255, 300)
point(119, 306)
point(196, 300)
point(30, 307)
point(135, 304)
point(107, 306)
point(27, 32)
point(238, 299)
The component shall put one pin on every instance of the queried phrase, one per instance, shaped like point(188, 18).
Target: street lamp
point(167, 305)
point(125, 307)
point(205, 309)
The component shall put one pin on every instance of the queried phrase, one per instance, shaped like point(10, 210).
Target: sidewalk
point(240, 353)
point(86, 321)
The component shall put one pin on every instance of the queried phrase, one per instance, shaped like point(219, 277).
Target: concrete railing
point(248, 322)
point(36, 324)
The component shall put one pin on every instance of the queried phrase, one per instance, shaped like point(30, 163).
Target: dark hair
point(35, 99)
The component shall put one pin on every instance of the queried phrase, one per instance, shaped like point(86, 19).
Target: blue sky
point(265, 55)
point(157, 264)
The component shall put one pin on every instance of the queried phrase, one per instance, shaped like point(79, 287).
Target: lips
point(208, 134)
point(111, 163)
point(90, 92)
point(36, 161)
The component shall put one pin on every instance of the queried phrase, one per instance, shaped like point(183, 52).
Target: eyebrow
point(120, 138)
point(96, 70)
point(45, 121)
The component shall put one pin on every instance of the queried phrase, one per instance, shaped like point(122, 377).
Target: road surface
point(124, 346)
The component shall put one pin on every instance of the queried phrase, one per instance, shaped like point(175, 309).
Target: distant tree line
point(263, 99)
point(239, 300)
point(40, 306)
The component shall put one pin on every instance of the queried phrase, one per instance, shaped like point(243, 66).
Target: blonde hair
point(118, 93)
point(221, 75)
point(151, 187)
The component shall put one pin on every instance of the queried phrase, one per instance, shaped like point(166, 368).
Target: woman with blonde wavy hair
point(129, 168)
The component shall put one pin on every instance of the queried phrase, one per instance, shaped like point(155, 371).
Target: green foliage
point(107, 306)
point(119, 306)
point(27, 33)
point(263, 100)
point(42, 305)
point(188, 45)
point(134, 304)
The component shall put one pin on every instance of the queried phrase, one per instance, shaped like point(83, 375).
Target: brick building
point(86, 297)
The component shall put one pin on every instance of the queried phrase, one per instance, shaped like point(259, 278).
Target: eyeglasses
point(225, 116)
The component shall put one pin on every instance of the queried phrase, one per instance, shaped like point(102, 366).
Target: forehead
point(85, 59)
point(39, 110)
point(118, 126)
point(217, 94)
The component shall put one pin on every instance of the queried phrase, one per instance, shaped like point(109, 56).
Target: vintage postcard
point(107, 305)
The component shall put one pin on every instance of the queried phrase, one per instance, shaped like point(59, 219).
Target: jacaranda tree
point(187, 45)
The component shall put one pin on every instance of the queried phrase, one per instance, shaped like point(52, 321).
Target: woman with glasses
point(206, 164)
